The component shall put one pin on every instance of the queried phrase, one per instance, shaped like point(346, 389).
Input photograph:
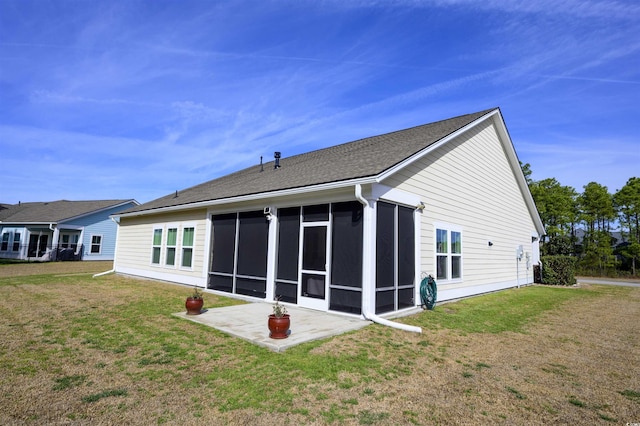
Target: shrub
point(558, 270)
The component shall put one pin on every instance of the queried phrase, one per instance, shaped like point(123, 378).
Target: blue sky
point(137, 99)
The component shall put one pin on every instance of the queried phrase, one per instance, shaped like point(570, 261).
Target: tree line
point(599, 229)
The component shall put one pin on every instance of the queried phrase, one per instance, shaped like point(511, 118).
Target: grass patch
point(69, 382)
point(515, 392)
point(105, 394)
point(607, 418)
point(575, 401)
point(508, 310)
point(631, 394)
point(368, 417)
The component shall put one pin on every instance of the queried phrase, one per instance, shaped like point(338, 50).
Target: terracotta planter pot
point(279, 326)
point(194, 306)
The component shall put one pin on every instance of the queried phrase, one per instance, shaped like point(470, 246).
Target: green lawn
point(109, 350)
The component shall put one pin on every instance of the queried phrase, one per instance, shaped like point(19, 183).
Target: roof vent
point(276, 155)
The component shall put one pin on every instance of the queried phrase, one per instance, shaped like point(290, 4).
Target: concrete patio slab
point(249, 322)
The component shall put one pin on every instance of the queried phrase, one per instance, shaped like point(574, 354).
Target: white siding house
point(353, 228)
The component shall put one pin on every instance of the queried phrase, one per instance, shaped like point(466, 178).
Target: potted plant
point(279, 322)
point(194, 302)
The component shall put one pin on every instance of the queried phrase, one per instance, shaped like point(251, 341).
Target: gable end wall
point(470, 184)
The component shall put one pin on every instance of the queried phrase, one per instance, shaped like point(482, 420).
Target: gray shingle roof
point(54, 211)
point(359, 159)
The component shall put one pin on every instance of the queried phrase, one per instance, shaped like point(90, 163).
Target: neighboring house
point(352, 228)
point(60, 230)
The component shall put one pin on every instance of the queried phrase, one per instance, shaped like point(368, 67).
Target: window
point(96, 244)
point(69, 240)
point(448, 254)
point(157, 246)
point(187, 247)
point(5, 242)
point(16, 241)
point(172, 239)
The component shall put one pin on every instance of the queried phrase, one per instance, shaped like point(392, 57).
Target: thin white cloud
point(192, 91)
point(622, 10)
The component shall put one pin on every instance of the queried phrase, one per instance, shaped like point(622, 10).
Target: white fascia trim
point(253, 197)
point(28, 224)
point(100, 210)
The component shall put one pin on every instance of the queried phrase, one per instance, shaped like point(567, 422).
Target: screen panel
point(346, 250)
point(251, 287)
point(406, 298)
point(224, 242)
point(221, 283)
point(314, 255)
point(385, 245)
point(287, 292)
point(288, 243)
point(345, 301)
point(313, 286)
point(406, 247)
point(316, 213)
point(253, 242)
point(385, 301)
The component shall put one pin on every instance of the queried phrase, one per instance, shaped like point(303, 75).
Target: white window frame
point(173, 247)
point(182, 247)
point(157, 246)
point(14, 242)
point(449, 254)
point(5, 241)
point(91, 244)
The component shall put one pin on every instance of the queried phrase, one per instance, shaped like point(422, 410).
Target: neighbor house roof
point(55, 211)
point(353, 160)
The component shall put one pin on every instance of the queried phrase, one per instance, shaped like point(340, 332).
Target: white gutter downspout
point(365, 311)
point(54, 240)
point(111, 271)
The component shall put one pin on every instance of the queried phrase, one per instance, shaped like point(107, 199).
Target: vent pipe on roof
point(276, 155)
point(261, 165)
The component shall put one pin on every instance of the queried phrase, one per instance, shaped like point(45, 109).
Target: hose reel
point(428, 293)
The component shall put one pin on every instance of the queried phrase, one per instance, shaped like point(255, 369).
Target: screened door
point(313, 288)
point(314, 255)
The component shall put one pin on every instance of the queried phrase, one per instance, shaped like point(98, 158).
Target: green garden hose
point(428, 293)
